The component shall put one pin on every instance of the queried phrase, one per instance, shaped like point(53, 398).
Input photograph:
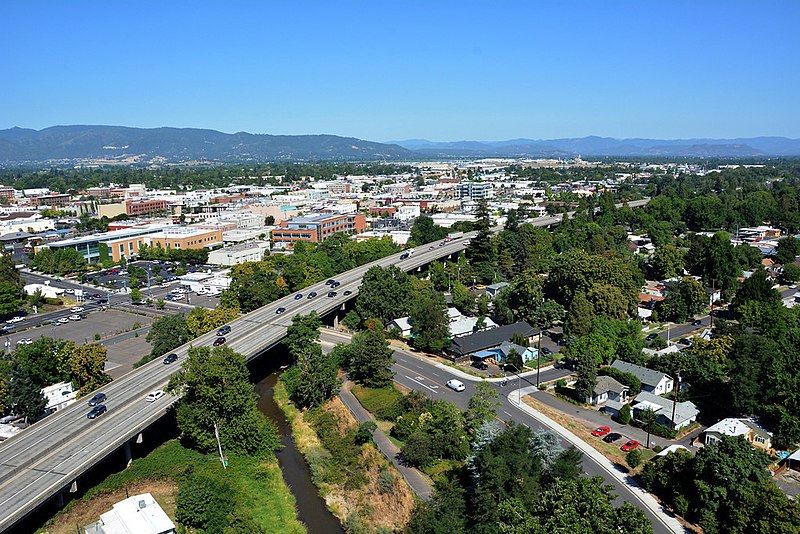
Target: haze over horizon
point(444, 72)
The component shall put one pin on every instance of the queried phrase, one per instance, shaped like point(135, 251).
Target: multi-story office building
point(474, 190)
point(317, 228)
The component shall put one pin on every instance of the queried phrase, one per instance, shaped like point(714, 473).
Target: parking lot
point(119, 277)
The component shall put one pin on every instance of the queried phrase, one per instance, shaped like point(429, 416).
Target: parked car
point(154, 395)
point(69, 291)
point(219, 341)
point(600, 431)
point(455, 385)
point(170, 358)
point(75, 317)
point(223, 330)
point(280, 311)
point(611, 438)
point(98, 398)
point(651, 337)
point(632, 444)
point(480, 364)
point(546, 351)
point(25, 341)
point(76, 309)
point(100, 409)
point(63, 320)
point(697, 322)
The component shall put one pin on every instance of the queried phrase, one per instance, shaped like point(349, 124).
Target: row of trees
point(45, 362)
point(62, 261)
point(11, 285)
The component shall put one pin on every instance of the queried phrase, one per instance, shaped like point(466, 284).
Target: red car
point(601, 431)
point(632, 444)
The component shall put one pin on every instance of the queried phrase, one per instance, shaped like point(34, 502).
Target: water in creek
point(311, 508)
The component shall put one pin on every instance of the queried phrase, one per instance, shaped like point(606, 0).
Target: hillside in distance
point(608, 146)
point(67, 143)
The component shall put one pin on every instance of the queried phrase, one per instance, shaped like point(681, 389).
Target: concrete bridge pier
point(73, 488)
point(128, 454)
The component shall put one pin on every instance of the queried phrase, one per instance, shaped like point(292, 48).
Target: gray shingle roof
point(464, 345)
point(646, 376)
point(605, 384)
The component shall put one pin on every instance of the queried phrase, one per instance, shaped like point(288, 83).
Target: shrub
point(386, 480)
point(384, 403)
point(419, 449)
point(634, 458)
point(364, 432)
point(561, 383)
point(624, 416)
point(97, 337)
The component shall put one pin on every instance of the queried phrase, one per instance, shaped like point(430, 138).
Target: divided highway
point(45, 459)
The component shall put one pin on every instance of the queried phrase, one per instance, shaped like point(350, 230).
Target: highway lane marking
point(420, 383)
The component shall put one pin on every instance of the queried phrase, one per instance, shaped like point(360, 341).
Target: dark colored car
point(99, 398)
point(312, 295)
point(170, 358)
point(546, 351)
point(404, 255)
point(100, 409)
point(697, 322)
point(479, 364)
point(298, 296)
point(611, 438)
point(278, 311)
point(336, 284)
point(224, 330)
point(219, 341)
point(331, 293)
point(348, 292)
point(652, 336)
point(330, 282)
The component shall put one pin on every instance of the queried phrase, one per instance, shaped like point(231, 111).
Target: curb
point(647, 500)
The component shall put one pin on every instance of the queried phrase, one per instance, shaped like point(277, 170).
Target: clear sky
point(390, 70)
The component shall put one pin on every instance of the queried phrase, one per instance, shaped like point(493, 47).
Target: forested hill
point(19, 145)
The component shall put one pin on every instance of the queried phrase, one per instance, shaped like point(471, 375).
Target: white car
point(76, 309)
point(15, 320)
point(455, 385)
point(154, 395)
point(178, 291)
point(69, 291)
point(25, 341)
point(63, 320)
point(75, 317)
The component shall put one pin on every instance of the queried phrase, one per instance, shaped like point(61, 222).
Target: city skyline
point(446, 72)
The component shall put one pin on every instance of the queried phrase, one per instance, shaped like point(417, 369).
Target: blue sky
point(383, 70)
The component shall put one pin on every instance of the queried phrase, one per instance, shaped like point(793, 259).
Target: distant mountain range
point(607, 146)
point(69, 144)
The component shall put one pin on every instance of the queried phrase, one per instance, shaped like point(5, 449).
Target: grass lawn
point(383, 403)
point(258, 485)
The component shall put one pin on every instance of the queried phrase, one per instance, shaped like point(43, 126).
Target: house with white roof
point(140, 514)
point(685, 412)
point(59, 396)
point(746, 427)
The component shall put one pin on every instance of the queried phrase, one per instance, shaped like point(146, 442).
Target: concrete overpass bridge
point(49, 458)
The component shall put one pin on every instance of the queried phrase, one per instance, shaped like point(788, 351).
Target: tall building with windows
point(475, 190)
point(317, 228)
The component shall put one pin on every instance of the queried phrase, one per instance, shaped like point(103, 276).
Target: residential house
point(494, 289)
point(652, 381)
point(139, 513)
point(463, 347)
point(685, 412)
point(458, 325)
point(59, 396)
point(748, 428)
point(607, 388)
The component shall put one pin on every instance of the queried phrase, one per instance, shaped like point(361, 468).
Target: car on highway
point(632, 444)
point(223, 330)
point(63, 320)
point(455, 385)
point(99, 398)
point(98, 410)
point(480, 364)
point(312, 295)
point(431, 247)
point(441, 244)
point(154, 395)
point(76, 309)
point(298, 296)
point(74, 317)
point(404, 255)
point(280, 311)
point(348, 292)
point(697, 322)
point(15, 320)
point(330, 282)
point(170, 358)
point(336, 284)
point(219, 341)
point(331, 294)
point(611, 438)
point(25, 341)
point(600, 431)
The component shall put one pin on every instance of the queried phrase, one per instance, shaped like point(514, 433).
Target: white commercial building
point(139, 514)
point(227, 256)
point(59, 396)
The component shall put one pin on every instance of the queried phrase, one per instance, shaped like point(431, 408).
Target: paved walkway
point(666, 518)
point(414, 478)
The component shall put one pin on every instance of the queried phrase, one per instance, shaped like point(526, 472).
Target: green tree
point(579, 318)
point(788, 250)
point(10, 298)
point(384, 294)
point(462, 298)
point(482, 407)
point(634, 458)
point(481, 252)
point(214, 388)
point(429, 318)
point(303, 331)
point(371, 358)
point(166, 334)
point(424, 230)
point(87, 365)
point(586, 372)
point(25, 396)
point(204, 502)
point(438, 276)
point(624, 414)
point(758, 288)
point(312, 381)
point(136, 295)
point(668, 261)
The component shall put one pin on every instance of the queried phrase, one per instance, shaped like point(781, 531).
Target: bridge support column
point(139, 439)
point(336, 319)
point(128, 455)
point(73, 488)
point(60, 499)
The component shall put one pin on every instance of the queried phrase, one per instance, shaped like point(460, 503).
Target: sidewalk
point(417, 482)
point(666, 519)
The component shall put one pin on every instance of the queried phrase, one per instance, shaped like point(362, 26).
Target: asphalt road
point(420, 374)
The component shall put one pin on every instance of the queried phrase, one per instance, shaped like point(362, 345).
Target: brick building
point(317, 228)
point(136, 208)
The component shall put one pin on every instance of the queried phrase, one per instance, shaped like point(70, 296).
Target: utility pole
point(675, 397)
point(711, 315)
point(649, 422)
point(219, 445)
point(539, 357)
